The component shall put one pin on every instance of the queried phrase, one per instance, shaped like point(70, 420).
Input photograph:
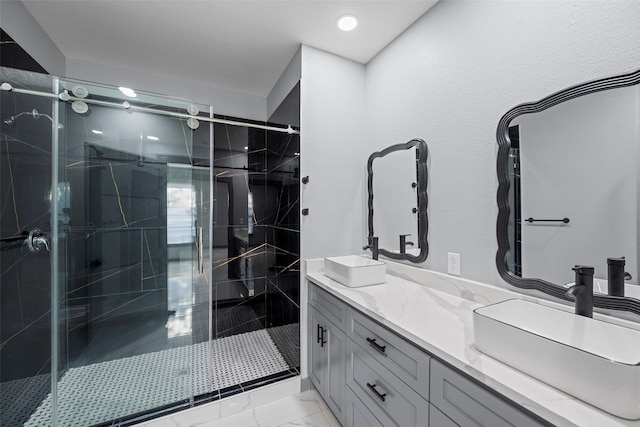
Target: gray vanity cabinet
point(371, 377)
point(470, 405)
point(327, 349)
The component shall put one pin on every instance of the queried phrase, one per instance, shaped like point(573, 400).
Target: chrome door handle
point(36, 240)
point(200, 250)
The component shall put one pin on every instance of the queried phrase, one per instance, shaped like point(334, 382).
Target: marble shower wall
point(283, 238)
point(256, 232)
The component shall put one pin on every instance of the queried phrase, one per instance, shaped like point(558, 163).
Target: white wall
point(333, 155)
point(579, 160)
point(16, 21)
point(450, 77)
point(287, 80)
point(223, 101)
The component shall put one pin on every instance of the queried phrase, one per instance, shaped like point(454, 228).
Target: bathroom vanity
point(402, 353)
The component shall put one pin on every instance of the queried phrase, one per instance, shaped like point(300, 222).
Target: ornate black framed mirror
point(397, 200)
point(569, 189)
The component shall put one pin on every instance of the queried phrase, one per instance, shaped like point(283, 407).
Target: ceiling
point(240, 45)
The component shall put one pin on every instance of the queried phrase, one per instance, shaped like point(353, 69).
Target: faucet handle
point(584, 269)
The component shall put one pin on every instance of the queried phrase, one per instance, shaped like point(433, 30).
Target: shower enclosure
point(149, 253)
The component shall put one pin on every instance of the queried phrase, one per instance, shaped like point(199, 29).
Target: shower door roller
point(193, 123)
point(37, 240)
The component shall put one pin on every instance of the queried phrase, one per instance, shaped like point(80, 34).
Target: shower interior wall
point(103, 317)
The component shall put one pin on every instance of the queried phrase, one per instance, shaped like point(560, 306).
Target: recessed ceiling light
point(97, 132)
point(153, 138)
point(128, 92)
point(347, 22)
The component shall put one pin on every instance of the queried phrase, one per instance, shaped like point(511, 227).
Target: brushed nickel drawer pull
point(378, 347)
point(376, 392)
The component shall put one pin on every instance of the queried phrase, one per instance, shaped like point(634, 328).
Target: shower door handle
point(200, 250)
point(37, 240)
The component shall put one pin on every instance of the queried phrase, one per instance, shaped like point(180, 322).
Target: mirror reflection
point(568, 191)
point(576, 160)
point(397, 189)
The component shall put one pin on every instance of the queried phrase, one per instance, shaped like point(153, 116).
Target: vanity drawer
point(328, 305)
point(384, 394)
point(358, 415)
point(438, 419)
point(406, 361)
point(468, 404)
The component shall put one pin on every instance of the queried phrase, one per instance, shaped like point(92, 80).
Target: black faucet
point(404, 243)
point(582, 291)
point(373, 245)
point(615, 276)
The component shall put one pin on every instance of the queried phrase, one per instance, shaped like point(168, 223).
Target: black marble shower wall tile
point(111, 190)
point(287, 196)
point(239, 307)
point(281, 309)
point(201, 144)
point(289, 285)
point(231, 188)
point(285, 246)
point(283, 151)
point(238, 253)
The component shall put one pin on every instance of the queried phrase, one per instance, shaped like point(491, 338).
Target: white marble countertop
point(434, 311)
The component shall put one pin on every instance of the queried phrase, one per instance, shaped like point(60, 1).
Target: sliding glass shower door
point(126, 251)
point(143, 268)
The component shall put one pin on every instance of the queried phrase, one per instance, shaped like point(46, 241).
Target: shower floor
point(101, 392)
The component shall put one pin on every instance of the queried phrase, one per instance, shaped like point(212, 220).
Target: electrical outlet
point(453, 263)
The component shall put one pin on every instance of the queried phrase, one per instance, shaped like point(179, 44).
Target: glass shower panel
point(26, 128)
point(126, 258)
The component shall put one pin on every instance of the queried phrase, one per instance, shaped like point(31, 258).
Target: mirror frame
point(504, 147)
point(423, 224)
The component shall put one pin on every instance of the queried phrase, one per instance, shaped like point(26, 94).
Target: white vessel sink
point(595, 361)
point(355, 271)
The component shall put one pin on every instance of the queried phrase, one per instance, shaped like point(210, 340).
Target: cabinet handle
point(378, 347)
point(320, 333)
point(376, 392)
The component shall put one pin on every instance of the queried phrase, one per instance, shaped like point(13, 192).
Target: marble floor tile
point(319, 419)
point(303, 409)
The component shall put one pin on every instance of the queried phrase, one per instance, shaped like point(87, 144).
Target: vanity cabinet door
point(327, 361)
point(469, 405)
point(318, 356)
point(336, 371)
